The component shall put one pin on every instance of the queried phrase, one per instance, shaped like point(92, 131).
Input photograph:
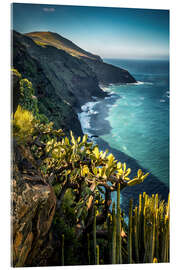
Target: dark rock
point(33, 208)
point(94, 136)
point(107, 73)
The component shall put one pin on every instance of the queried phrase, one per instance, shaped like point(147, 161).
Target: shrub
point(27, 99)
point(23, 125)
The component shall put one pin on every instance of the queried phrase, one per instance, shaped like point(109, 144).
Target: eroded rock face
point(33, 208)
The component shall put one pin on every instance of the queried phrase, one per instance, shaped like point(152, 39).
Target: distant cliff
point(63, 75)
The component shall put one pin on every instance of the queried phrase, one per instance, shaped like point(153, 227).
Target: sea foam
point(85, 116)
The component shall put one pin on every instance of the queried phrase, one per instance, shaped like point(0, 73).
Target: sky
point(108, 32)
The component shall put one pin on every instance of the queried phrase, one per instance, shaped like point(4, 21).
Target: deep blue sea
point(133, 123)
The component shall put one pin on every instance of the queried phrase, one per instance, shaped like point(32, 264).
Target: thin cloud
point(49, 9)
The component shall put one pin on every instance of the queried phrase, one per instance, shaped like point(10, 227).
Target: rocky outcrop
point(33, 208)
point(107, 73)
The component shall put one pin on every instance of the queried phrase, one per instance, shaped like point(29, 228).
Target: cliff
point(63, 75)
point(63, 80)
point(105, 73)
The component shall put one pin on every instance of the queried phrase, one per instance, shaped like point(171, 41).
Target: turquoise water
point(133, 123)
point(139, 118)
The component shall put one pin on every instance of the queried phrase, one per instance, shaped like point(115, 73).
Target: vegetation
point(27, 99)
point(147, 238)
point(83, 178)
point(22, 124)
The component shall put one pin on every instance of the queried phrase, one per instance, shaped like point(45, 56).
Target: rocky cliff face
point(105, 73)
point(51, 102)
point(33, 208)
point(63, 75)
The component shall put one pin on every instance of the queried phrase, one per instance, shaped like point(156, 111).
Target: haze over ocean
point(108, 32)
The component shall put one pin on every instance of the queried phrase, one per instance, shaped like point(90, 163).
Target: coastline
point(91, 112)
point(94, 123)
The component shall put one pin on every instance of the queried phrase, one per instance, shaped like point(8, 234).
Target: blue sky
point(108, 32)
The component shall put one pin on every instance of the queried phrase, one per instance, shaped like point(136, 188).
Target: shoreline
point(90, 112)
point(94, 123)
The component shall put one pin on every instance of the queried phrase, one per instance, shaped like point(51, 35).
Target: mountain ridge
point(106, 73)
point(62, 82)
point(60, 42)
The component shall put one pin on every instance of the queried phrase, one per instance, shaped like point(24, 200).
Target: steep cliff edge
point(63, 75)
point(107, 73)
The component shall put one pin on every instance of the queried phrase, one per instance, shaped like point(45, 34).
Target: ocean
point(133, 123)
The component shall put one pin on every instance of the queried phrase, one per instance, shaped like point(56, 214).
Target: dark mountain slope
point(105, 73)
point(49, 103)
point(63, 81)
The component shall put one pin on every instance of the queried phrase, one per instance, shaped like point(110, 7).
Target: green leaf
point(67, 172)
point(127, 178)
point(66, 140)
point(85, 169)
point(139, 173)
point(120, 172)
point(119, 165)
point(95, 170)
point(100, 171)
point(107, 172)
point(135, 181)
point(110, 160)
point(124, 166)
point(79, 212)
point(144, 176)
point(128, 171)
point(96, 152)
point(72, 138)
point(103, 172)
point(103, 155)
point(85, 137)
